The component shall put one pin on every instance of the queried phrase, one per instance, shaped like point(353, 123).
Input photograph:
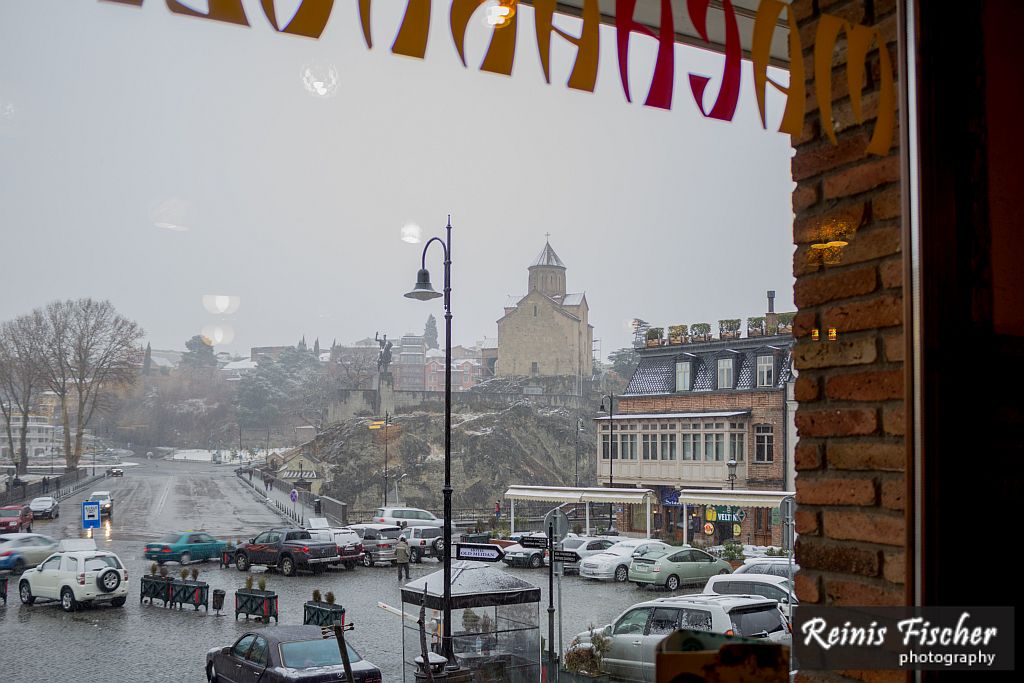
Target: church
point(545, 333)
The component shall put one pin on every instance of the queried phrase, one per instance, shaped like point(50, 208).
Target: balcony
point(671, 472)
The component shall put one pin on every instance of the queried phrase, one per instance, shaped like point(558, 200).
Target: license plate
point(317, 560)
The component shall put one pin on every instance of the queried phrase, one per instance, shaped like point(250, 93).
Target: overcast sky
point(152, 159)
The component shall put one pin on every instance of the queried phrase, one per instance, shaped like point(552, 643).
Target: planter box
point(227, 557)
point(156, 588)
point(262, 604)
point(322, 614)
point(195, 593)
point(3, 588)
point(652, 343)
point(575, 677)
point(735, 564)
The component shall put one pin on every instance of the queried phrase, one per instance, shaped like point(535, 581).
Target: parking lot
point(42, 641)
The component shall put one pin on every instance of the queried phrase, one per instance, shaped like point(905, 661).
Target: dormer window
point(683, 374)
point(725, 373)
point(765, 371)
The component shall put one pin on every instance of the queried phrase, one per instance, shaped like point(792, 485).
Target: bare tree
point(51, 348)
point(21, 379)
point(104, 354)
point(353, 367)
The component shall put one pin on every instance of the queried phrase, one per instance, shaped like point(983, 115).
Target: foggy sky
point(114, 119)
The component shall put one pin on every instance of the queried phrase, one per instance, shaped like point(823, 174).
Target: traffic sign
point(557, 519)
point(533, 542)
point(91, 514)
point(566, 556)
point(294, 495)
point(482, 552)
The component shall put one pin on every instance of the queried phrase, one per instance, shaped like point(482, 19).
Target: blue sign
point(669, 497)
point(294, 495)
point(91, 514)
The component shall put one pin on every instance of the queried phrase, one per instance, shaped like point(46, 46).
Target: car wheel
point(287, 566)
point(19, 566)
point(536, 561)
point(672, 583)
point(414, 556)
point(186, 558)
point(118, 602)
point(621, 573)
point(25, 593)
point(724, 571)
point(242, 562)
point(109, 580)
point(639, 585)
point(67, 600)
point(439, 549)
point(367, 560)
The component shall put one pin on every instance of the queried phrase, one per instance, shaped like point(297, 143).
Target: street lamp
point(384, 424)
point(579, 429)
point(611, 452)
point(732, 473)
point(398, 501)
point(424, 291)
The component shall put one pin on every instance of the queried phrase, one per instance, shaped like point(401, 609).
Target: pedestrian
point(46, 484)
point(497, 512)
point(402, 555)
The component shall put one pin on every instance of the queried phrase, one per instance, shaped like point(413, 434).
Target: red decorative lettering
point(660, 94)
point(729, 94)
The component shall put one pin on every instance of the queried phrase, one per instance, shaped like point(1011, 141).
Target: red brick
point(861, 454)
point(811, 161)
point(844, 118)
point(842, 592)
point(837, 491)
point(886, 204)
point(825, 354)
point(873, 527)
point(806, 456)
point(894, 566)
point(895, 347)
point(891, 273)
point(806, 522)
point(806, 195)
point(809, 132)
point(894, 420)
point(807, 587)
point(820, 226)
point(872, 244)
point(876, 385)
point(879, 311)
point(818, 554)
point(875, 676)
point(862, 177)
point(806, 388)
point(803, 323)
point(836, 422)
point(834, 284)
point(894, 493)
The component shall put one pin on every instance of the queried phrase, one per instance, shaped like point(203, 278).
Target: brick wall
point(850, 458)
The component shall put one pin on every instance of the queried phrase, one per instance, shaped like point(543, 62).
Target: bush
point(585, 658)
point(316, 595)
point(164, 572)
point(262, 583)
point(700, 329)
point(655, 333)
point(330, 597)
point(732, 551)
point(153, 569)
point(248, 582)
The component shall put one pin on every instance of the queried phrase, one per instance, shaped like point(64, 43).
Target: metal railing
point(60, 487)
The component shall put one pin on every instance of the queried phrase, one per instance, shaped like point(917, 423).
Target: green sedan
point(675, 566)
point(184, 547)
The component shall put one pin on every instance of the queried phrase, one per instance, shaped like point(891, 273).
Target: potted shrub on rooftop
point(194, 592)
point(582, 662)
point(323, 612)
point(654, 336)
point(260, 602)
point(700, 332)
point(786, 323)
point(755, 326)
point(729, 328)
point(677, 334)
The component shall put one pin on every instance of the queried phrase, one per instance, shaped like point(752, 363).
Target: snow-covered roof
point(573, 299)
point(680, 416)
point(512, 300)
point(244, 364)
point(547, 257)
point(435, 353)
point(158, 362)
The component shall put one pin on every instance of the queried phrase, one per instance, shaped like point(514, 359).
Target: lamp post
point(732, 473)
point(611, 453)
point(383, 424)
point(398, 501)
point(424, 291)
point(579, 428)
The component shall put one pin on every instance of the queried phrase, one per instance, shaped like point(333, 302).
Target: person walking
point(403, 555)
point(46, 485)
point(497, 512)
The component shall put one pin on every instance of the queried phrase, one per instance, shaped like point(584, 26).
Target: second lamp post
point(612, 453)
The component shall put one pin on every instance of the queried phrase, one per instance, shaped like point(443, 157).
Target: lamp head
point(423, 291)
point(732, 466)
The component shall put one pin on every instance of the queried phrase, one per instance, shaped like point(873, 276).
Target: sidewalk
point(298, 512)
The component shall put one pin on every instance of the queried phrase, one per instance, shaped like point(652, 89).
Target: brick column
point(850, 457)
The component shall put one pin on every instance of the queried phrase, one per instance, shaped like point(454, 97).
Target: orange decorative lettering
point(584, 70)
point(309, 20)
point(230, 11)
point(764, 27)
point(502, 51)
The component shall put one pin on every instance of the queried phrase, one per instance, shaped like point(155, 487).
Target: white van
point(350, 545)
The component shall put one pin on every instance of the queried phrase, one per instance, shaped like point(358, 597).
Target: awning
point(674, 416)
point(572, 494)
point(742, 498)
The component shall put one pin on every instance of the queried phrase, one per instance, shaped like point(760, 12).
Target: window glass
point(429, 532)
point(683, 376)
point(70, 564)
point(273, 537)
point(765, 371)
point(757, 621)
point(633, 621)
point(97, 563)
point(52, 564)
point(725, 373)
point(763, 443)
point(392, 533)
point(695, 619)
point(663, 621)
point(572, 543)
point(258, 652)
point(262, 538)
point(306, 654)
point(679, 557)
point(242, 646)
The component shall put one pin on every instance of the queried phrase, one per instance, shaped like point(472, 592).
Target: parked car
point(518, 556)
point(775, 566)
point(584, 546)
point(286, 653)
point(287, 548)
point(15, 518)
point(105, 501)
point(635, 634)
point(184, 547)
point(115, 472)
point(44, 506)
point(18, 552)
point(613, 563)
point(379, 541)
point(765, 585)
point(425, 541)
point(673, 567)
point(76, 574)
point(350, 545)
point(411, 517)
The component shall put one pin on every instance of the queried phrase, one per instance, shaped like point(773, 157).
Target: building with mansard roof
point(545, 333)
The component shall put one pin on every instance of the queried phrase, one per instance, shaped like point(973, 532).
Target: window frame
point(765, 368)
point(764, 443)
point(687, 367)
point(727, 364)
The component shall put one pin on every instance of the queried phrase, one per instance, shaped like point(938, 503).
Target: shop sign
point(736, 530)
point(725, 513)
point(709, 529)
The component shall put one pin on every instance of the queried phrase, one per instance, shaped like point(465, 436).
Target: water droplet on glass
point(411, 233)
point(320, 79)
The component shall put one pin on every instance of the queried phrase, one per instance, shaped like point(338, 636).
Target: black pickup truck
point(287, 548)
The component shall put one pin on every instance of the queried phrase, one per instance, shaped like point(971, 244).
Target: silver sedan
point(18, 552)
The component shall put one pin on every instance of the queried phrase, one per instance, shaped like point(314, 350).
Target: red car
point(15, 518)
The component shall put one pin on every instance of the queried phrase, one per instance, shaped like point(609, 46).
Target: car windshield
point(98, 562)
point(654, 554)
point(758, 621)
point(42, 501)
point(298, 536)
point(10, 513)
point(429, 532)
point(393, 533)
point(306, 654)
point(571, 543)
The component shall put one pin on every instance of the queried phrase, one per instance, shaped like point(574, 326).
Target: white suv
point(411, 517)
point(74, 576)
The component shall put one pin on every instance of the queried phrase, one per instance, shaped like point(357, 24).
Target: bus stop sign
point(91, 514)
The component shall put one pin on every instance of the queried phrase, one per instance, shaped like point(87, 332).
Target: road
point(41, 642)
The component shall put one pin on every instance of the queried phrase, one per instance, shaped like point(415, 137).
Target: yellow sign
point(736, 530)
point(711, 514)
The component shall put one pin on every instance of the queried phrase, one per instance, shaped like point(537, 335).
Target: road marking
point(163, 497)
